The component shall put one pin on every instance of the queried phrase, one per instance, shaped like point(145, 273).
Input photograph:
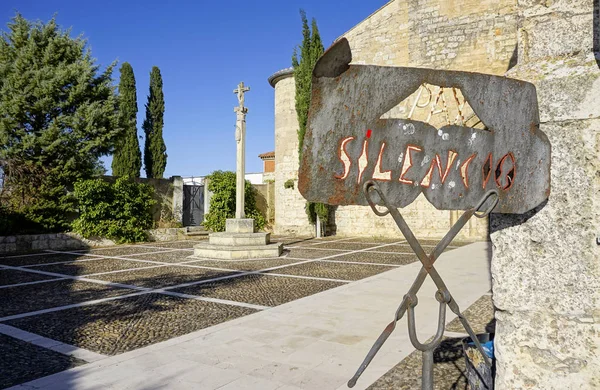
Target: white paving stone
point(316, 342)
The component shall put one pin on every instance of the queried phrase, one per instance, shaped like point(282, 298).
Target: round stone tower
point(290, 215)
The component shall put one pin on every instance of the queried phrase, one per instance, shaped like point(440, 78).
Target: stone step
point(197, 234)
point(192, 229)
point(239, 239)
point(227, 252)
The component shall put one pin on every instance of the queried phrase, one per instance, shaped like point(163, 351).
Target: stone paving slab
point(42, 258)
point(329, 270)
point(162, 276)
point(480, 316)
point(123, 325)
point(245, 265)
point(376, 257)
point(262, 290)
point(28, 298)
point(11, 276)
point(165, 257)
point(79, 268)
point(448, 370)
point(21, 362)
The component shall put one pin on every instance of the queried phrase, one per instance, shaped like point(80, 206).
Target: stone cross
point(240, 137)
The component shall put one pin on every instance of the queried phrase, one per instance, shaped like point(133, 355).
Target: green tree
point(58, 116)
point(310, 49)
point(222, 202)
point(155, 150)
point(127, 159)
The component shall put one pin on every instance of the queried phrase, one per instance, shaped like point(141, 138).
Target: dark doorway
point(193, 205)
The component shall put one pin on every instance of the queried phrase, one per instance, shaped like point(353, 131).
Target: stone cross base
point(239, 241)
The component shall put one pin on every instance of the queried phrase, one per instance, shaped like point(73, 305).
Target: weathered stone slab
point(243, 239)
point(240, 225)
point(210, 251)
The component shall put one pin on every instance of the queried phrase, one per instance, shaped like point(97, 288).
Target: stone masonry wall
point(545, 265)
point(290, 216)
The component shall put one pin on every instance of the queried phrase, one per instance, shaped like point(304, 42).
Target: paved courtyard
point(65, 309)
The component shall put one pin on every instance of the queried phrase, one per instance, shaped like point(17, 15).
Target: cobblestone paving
point(260, 289)
point(21, 362)
point(480, 316)
point(41, 259)
point(328, 270)
point(345, 246)
point(123, 325)
point(10, 276)
point(91, 267)
point(123, 251)
point(33, 297)
point(174, 244)
point(248, 265)
point(162, 276)
point(448, 370)
point(376, 257)
point(165, 257)
point(311, 254)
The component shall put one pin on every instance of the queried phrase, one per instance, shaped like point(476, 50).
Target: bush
point(222, 202)
point(120, 211)
point(314, 209)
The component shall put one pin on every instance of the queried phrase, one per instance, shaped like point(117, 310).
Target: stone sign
point(452, 136)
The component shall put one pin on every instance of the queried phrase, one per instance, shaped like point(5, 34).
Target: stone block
point(239, 239)
point(204, 250)
point(244, 225)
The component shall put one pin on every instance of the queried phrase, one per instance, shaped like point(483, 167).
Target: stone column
point(177, 198)
point(546, 264)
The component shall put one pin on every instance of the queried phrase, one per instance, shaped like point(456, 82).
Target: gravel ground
point(123, 250)
point(22, 362)
point(334, 270)
point(123, 325)
point(41, 259)
point(162, 276)
point(174, 244)
point(247, 265)
point(260, 289)
point(23, 299)
point(375, 257)
point(165, 257)
point(347, 246)
point(396, 249)
point(310, 254)
point(480, 316)
point(377, 240)
point(448, 370)
point(91, 267)
point(9, 276)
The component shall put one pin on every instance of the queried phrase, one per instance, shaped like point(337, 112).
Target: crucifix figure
point(240, 137)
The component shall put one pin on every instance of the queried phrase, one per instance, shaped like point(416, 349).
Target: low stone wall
point(57, 241)
point(66, 241)
point(167, 234)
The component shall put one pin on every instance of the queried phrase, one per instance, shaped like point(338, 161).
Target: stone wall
point(290, 217)
point(545, 266)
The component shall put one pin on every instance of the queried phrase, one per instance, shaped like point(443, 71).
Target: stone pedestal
point(545, 266)
point(239, 241)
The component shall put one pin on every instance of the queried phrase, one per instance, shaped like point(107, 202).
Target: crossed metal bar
point(443, 296)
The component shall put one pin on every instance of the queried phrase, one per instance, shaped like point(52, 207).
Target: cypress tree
point(155, 150)
point(127, 159)
point(311, 49)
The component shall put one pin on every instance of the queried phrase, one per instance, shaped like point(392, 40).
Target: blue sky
point(203, 49)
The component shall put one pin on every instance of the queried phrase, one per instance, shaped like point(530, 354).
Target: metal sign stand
point(443, 296)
